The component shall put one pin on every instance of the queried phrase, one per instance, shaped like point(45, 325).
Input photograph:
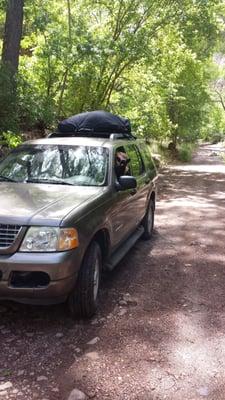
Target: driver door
point(122, 214)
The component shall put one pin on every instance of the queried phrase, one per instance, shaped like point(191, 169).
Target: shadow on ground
point(169, 343)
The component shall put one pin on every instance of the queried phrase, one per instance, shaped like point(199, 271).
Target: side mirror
point(126, 182)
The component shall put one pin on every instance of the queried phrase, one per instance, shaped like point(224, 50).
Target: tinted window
point(147, 156)
point(136, 162)
point(150, 166)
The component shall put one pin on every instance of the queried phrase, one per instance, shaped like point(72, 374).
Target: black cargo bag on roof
point(92, 122)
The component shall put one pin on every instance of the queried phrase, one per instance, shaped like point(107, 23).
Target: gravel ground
point(160, 330)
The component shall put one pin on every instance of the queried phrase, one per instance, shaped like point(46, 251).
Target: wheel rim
point(96, 278)
point(150, 219)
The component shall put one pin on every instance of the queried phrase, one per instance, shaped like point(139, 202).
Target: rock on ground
point(77, 395)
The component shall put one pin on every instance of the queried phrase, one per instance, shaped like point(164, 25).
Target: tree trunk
point(13, 34)
point(66, 73)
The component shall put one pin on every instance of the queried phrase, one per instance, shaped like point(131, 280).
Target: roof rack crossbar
point(117, 136)
point(90, 133)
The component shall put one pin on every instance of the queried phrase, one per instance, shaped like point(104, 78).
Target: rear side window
point(137, 165)
point(150, 166)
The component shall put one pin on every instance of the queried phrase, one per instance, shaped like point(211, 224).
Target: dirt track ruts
point(168, 340)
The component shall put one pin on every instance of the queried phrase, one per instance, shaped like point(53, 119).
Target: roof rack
point(86, 133)
point(118, 136)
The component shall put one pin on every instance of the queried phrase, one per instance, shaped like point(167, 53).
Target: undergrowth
point(183, 152)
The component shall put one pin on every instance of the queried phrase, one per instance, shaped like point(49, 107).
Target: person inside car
point(121, 164)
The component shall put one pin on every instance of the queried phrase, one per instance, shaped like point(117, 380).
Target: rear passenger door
point(151, 171)
point(138, 170)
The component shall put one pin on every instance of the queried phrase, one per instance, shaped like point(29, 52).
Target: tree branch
point(221, 99)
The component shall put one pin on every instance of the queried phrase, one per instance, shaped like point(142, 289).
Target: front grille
point(8, 234)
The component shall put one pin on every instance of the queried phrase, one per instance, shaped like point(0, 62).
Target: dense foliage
point(148, 60)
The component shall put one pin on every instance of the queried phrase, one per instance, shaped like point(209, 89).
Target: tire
point(84, 298)
point(148, 221)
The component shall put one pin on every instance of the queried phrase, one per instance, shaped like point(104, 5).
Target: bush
point(8, 140)
point(34, 111)
point(20, 106)
point(11, 139)
point(160, 151)
point(216, 138)
point(185, 152)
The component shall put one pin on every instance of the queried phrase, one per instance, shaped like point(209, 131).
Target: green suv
point(71, 207)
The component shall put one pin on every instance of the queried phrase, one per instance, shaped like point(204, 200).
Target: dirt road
point(160, 330)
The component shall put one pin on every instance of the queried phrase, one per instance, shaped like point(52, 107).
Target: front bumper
point(38, 278)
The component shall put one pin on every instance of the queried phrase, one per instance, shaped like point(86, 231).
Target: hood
point(31, 203)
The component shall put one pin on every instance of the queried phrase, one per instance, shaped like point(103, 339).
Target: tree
point(9, 65)
point(141, 58)
point(13, 34)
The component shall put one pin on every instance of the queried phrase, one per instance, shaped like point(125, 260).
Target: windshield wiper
point(50, 181)
point(5, 178)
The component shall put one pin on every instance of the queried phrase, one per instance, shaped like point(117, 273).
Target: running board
point(123, 249)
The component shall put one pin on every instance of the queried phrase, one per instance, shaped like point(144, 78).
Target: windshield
point(71, 165)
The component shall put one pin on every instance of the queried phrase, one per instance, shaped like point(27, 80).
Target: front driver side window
point(121, 162)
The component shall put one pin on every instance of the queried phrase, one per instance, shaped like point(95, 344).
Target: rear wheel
point(84, 298)
point(148, 222)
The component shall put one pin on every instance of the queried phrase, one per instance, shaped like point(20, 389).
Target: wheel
point(148, 221)
point(84, 298)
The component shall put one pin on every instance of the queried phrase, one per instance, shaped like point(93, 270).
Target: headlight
point(49, 239)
